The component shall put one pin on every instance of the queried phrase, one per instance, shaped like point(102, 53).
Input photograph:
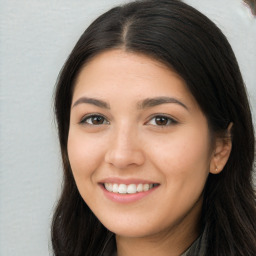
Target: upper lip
point(127, 181)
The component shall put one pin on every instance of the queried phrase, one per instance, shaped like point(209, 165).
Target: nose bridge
point(125, 136)
point(125, 148)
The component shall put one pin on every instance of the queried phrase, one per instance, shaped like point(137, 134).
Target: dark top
point(110, 247)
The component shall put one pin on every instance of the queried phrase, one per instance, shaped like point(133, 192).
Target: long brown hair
point(188, 42)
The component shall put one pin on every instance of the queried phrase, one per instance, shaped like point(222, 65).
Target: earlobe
point(223, 147)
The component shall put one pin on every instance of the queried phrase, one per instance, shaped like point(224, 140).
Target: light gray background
point(35, 39)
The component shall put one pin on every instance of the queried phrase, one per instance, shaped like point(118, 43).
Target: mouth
point(129, 188)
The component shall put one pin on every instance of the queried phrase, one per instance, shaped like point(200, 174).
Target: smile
point(128, 188)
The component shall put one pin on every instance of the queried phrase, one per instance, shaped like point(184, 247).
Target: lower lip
point(126, 198)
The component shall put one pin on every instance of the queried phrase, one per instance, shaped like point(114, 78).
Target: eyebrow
point(146, 103)
point(152, 102)
point(93, 101)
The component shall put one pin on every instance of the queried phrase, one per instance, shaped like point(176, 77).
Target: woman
point(156, 138)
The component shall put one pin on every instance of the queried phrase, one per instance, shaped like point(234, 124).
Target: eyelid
point(87, 116)
point(172, 119)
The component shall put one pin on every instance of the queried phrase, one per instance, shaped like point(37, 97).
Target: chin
point(134, 230)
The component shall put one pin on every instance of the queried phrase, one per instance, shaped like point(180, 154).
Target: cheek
point(84, 155)
point(183, 160)
point(183, 157)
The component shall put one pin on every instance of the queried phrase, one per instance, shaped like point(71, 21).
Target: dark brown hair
point(190, 44)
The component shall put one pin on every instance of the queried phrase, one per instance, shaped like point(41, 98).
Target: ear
point(221, 153)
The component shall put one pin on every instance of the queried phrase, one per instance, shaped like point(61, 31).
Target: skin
point(129, 143)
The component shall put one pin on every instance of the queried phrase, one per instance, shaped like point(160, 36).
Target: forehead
point(117, 73)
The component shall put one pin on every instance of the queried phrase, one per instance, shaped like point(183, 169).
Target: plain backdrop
point(35, 39)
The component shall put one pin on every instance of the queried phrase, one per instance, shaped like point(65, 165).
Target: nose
point(125, 149)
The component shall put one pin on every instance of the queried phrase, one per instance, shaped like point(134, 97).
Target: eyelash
point(170, 121)
point(88, 117)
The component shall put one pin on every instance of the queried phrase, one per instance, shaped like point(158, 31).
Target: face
point(138, 145)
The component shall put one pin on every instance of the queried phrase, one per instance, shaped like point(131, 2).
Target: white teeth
point(108, 187)
point(127, 189)
point(131, 189)
point(145, 187)
point(122, 189)
point(140, 188)
point(115, 188)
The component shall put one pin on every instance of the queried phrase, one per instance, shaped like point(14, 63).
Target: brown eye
point(162, 121)
point(94, 120)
